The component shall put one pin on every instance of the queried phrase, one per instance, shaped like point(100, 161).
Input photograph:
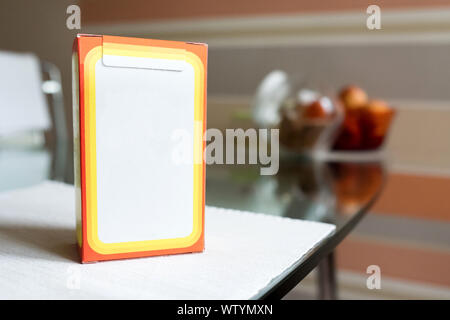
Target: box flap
point(166, 62)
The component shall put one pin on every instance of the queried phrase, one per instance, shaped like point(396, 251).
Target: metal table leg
point(327, 278)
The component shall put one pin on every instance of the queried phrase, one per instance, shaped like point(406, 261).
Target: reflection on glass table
point(339, 193)
point(329, 192)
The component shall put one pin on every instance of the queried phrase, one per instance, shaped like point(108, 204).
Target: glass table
point(337, 192)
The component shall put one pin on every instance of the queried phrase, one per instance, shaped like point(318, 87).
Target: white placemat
point(244, 252)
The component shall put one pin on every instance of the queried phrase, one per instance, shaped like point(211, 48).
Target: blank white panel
point(141, 193)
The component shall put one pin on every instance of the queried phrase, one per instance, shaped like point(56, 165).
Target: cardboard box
point(135, 100)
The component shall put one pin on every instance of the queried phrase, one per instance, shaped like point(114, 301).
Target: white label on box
point(141, 193)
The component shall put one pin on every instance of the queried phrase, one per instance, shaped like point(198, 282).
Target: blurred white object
point(327, 104)
point(270, 95)
point(21, 168)
point(307, 96)
point(23, 107)
point(24, 118)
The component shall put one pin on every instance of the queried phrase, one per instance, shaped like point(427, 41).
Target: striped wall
point(107, 11)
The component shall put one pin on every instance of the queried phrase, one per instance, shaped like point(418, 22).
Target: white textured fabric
point(244, 252)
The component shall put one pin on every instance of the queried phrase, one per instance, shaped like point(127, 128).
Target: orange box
point(138, 103)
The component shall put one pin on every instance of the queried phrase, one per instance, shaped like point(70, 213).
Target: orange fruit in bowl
point(350, 135)
point(353, 97)
point(376, 118)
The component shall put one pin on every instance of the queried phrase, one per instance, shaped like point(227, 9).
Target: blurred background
point(406, 63)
